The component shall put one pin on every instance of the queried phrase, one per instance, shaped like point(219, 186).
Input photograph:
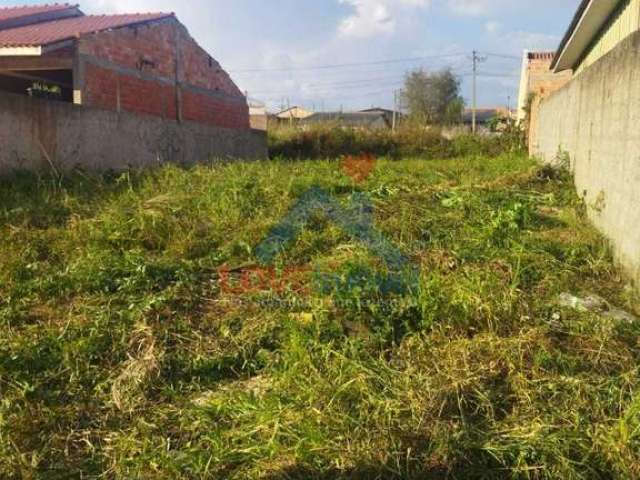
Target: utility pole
point(395, 110)
point(476, 59)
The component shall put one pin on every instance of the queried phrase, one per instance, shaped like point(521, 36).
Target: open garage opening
point(49, 84)
point(37, 77)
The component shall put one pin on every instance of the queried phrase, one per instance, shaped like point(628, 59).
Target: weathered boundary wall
point(36, 134)
point(596, 120)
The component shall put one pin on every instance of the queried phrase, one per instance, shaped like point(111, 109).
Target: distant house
point(258, 114)
point(386, 112)
point(293, 114)
point(486, 116)
point(349, 119)
point(483, 115)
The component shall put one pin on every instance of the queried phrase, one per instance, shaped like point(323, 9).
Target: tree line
point(432, 98)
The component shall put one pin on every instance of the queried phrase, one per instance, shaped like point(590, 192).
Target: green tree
point(433, 98)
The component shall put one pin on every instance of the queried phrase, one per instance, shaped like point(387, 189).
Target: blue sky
point(286, 40)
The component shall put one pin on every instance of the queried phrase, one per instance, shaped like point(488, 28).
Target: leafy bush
point(330, 141)
point(507, 223)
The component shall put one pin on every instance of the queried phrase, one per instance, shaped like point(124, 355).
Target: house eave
point(589, 20)
point(21, 51)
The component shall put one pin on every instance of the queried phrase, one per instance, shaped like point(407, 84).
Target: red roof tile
point(55, 31)
point(8, 13)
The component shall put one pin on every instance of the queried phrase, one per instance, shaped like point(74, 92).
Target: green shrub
point(330, 141)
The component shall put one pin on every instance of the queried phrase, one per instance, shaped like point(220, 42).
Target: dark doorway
point(49, 84)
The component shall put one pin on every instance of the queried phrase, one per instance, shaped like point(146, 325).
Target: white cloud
point(372, 17)
point(471, 7)
point(492, 27)
point(534, 40)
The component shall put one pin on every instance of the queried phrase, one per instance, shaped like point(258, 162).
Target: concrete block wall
point(595, 120)
point(157, 69)
point(41, 135)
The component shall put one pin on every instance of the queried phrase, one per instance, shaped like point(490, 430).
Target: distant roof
point(53, 30)
point(377, 109)
point(483, 115)
point(354, 119)
point(296, 112)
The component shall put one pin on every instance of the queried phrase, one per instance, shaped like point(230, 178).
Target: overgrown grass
point(323, 141)
point(120, 357)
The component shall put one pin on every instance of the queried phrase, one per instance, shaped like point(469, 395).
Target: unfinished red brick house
point(138, 63)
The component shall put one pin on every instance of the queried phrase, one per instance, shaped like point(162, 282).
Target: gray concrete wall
point(35, 134)
point(596, 120)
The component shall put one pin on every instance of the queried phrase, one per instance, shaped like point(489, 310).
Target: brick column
point(178, 70)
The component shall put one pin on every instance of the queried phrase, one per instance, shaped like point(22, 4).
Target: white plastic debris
point(595, 304)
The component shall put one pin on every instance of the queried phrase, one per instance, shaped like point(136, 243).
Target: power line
point(351, 83)
point(337, 78)
point(340, 97)
point(340, 74)
point(495, 74)
point(318, 89)
point(375, 80)
point(346, 65)
point(390, 81)
point(502, 55)
point(362, 64)
point(355, 83)
point(326, 90)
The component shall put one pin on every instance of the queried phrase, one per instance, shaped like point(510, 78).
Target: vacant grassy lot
point(122, 357)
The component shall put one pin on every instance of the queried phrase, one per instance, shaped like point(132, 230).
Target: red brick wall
point(151, 50)
point(203, 71)
point(212, 111)
point(154, 42)
point(101, 88)
point(147, 97)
